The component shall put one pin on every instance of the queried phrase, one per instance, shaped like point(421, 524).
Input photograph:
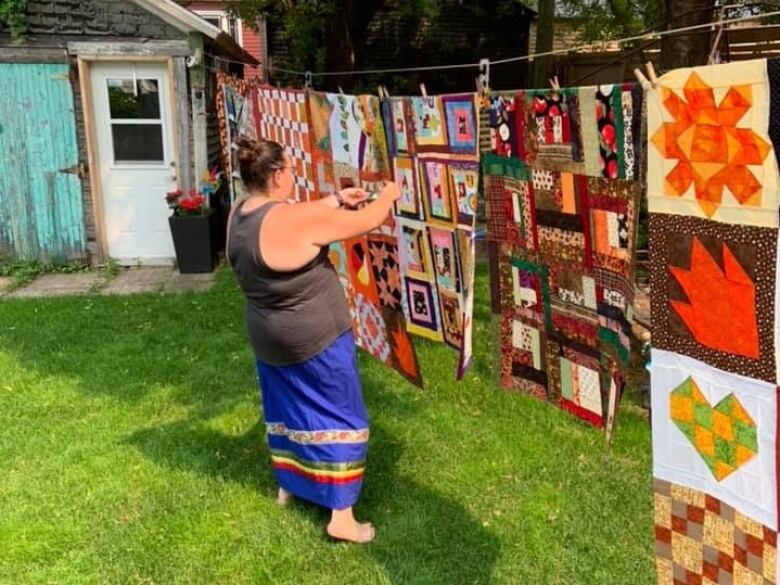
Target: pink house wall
point(251, 39)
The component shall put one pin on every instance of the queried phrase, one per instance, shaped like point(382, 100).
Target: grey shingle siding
point(115, 18)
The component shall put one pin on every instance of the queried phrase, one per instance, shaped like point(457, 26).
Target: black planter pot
point(195, 239)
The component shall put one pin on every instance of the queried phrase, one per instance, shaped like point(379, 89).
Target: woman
point(301, 331)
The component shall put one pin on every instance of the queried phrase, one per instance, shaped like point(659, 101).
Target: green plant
point(25, 272)
point(112, 269)
point(13, 15)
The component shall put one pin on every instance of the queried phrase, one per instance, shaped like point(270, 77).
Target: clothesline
point(529, 57)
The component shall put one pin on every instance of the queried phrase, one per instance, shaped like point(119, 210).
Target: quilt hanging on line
point(236, 117)
point(562, 210)
point(433, 144)
point(349, 149)
point(283, 117)
point(713, 198)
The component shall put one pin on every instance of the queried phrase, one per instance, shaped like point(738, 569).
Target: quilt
point(434, 151)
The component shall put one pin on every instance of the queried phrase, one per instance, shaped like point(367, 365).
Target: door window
point(136, 121)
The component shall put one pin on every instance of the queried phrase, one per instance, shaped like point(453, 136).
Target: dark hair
point(257, 160)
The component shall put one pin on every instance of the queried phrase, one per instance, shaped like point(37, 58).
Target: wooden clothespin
point(380, 92)
point(646, 85)
point(554, 83)
point(341, 91)
point(648, 82)
point(385, 90)
point(308, 78)
point(651, 73)
point(423, 91)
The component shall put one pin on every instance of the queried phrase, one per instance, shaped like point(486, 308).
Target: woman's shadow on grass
point(422, 536)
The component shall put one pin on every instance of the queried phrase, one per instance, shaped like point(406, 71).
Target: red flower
point(194, 204)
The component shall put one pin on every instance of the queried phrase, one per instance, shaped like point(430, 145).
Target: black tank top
point(291, 316)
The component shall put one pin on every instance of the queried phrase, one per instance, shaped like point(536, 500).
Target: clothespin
point(651, 73)
point(646, 85)
point(554, 83)
point(341, 91)
point(380, 92)
point(423, 91)
point(387, 93)
point(483, 81)
point(307, 77)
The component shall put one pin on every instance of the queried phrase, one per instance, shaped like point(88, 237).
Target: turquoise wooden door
point(41, 208)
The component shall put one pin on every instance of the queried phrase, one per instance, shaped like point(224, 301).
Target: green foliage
point(606, 19)
point(302, 23)
point(307, 26)
point(112, 269)
point(25, 272)
point(123, 104)
point(13, 16)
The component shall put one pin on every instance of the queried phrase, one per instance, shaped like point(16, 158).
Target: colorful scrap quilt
point(713, 197)
point(563, 287)
point(349, 149)
point(433, 144)
point(560, 182)
point(592, 131)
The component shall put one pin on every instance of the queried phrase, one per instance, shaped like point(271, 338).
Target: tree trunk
point(339, 49)
point(687, 50)
point(545, 30)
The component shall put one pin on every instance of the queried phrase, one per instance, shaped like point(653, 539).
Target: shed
point(104, 107)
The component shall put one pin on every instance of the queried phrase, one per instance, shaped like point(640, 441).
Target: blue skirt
point(317, 425)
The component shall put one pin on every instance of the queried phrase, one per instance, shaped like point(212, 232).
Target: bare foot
point(284, 497)
point(354, 532)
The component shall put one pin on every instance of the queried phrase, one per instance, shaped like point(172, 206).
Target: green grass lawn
point(131, 451)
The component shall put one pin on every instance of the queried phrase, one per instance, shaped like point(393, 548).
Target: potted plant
point(194, 231)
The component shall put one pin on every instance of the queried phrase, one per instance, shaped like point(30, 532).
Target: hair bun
point(257, 159)
point(247, 149)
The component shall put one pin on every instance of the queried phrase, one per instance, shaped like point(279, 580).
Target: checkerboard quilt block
point(433, 144)
point(701, 539)
point(283, 118)
point(562, 282)
point(349, 148)
point(713, 199)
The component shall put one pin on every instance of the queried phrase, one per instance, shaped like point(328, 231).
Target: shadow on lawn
point(423, 536)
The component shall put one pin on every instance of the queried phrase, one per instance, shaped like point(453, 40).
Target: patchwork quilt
point(713, 202)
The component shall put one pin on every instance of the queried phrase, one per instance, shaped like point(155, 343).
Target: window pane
point(138, 143)
point(213, 20)
point(125, 103)
point(233, 26)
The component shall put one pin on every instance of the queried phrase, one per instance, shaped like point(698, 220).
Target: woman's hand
point(353, 197)
point(391, 192)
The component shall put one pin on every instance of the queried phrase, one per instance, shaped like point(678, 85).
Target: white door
point(137, 166)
